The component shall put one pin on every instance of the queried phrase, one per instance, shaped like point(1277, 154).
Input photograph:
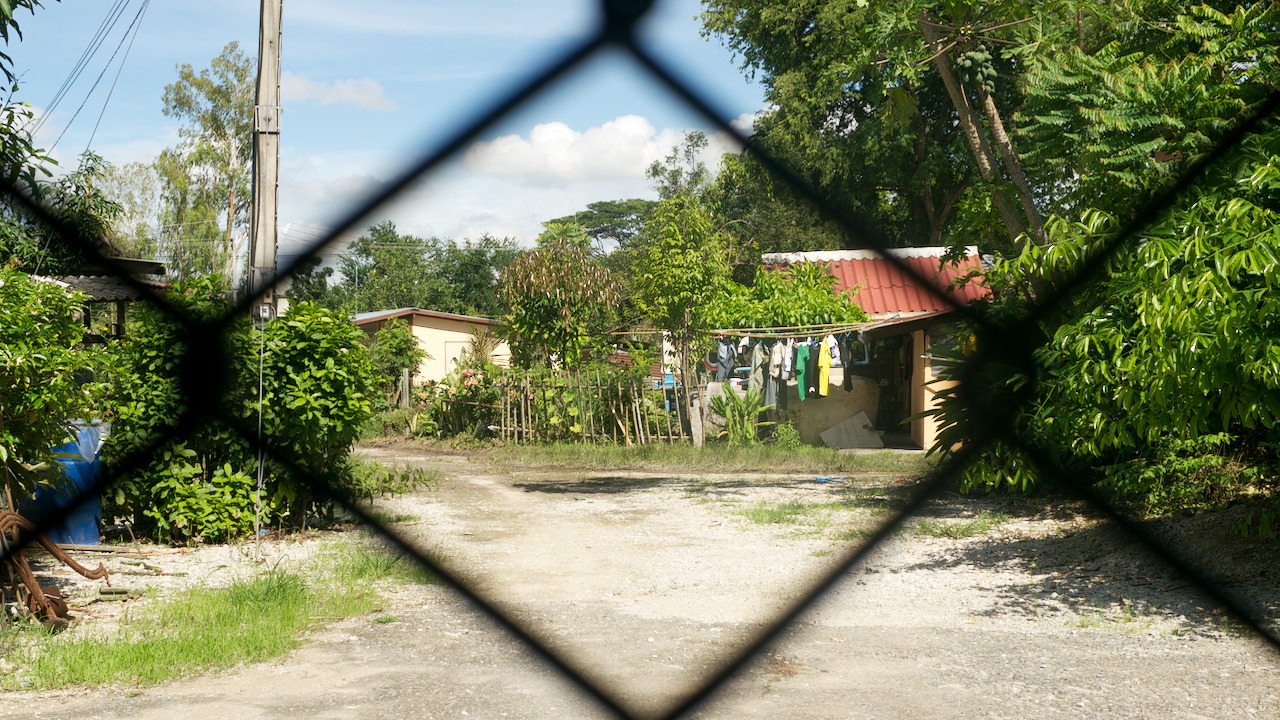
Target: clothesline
point(781, 332)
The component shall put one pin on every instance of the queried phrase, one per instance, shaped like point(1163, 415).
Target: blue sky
point(368, 86)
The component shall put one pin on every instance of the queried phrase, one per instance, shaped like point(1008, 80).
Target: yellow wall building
point(443, 336)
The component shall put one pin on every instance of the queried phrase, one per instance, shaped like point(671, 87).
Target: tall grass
point(713, 458)
point(204, 629)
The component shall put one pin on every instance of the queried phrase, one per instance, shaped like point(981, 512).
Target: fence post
point(405, 400)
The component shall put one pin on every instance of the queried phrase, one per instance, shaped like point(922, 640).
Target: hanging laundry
point(802, 369)
point(774, 376)
point(788, 358)
point(846, 351)
point(811, 367)
point(824, 369)
point(758, 362)
point(834, 349)
point(726, 354)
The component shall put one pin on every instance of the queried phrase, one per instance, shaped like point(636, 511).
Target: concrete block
point(855, 432)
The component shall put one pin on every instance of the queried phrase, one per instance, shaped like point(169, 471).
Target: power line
point(136, 18)
point(95, 42)
point(123, 60)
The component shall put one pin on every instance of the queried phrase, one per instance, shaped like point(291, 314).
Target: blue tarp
point(82, 525)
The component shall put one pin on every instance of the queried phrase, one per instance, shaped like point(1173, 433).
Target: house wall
point(924, 431)
point(442, 339)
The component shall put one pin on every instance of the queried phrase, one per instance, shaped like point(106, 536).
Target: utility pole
point(266, 158)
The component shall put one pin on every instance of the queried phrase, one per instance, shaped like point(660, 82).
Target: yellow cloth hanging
point(824, 368)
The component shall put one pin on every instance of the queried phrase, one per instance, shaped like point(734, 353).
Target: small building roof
point(107, 288)
point(882, 290)
point(377, 315)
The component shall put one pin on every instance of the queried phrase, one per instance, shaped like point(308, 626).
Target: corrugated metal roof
point(106, 288)
point(367, 317)
point(881, 289)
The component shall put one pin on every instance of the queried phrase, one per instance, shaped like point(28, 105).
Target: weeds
point(765, 514)
point(981, 524)
point(370, 479)
point(764, 458)
point(205, 629)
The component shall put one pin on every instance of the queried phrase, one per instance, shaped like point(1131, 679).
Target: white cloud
point(365, 92)
point(506, 186)
point(554, 153)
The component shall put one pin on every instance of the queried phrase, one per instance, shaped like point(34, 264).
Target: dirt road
point(646, 582)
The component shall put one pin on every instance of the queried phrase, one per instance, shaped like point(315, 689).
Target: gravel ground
point(646, 582)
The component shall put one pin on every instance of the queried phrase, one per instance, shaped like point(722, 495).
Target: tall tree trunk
point(1013, 167)
point(982, 153)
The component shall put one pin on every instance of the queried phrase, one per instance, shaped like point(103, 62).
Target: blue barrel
point(83, 525)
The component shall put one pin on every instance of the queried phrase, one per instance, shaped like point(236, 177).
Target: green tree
point(683, 269)
point(763, 215)
point(803, 294)
point(471, 269)
point(79, 202)
point(1113, 121)
point(682, 173)
point(558, 298)
point(23, 164)
point(871, 109)
point(393, 350)
point(1174, 349)
point(385, 269)
point(205, 180)
point(613, 223)
point(135, 187)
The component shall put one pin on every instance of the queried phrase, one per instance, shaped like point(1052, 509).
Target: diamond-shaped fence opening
point(997, 343)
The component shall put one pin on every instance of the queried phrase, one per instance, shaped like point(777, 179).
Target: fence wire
point(204, 360)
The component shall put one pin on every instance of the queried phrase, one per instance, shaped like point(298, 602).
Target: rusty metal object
point(50, 607)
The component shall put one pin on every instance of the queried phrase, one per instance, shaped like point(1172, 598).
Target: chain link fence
point(997, 344)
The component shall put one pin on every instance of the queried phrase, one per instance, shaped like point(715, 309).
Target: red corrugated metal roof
point(882, 289)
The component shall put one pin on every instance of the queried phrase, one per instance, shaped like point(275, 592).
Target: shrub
point(741, 415)
point(318, 391)
point(786, 436)
point(1202, 473)
point(42, 367)
point(317, 384)
point(392, 350)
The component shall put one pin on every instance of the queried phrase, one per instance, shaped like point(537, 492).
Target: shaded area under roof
point(881, 289)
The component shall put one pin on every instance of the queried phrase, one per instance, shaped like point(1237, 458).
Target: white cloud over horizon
point(363, 92)
point(622, 148)
point(505, 187)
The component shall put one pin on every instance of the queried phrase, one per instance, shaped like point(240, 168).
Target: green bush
point(373, 479)
point(461, 400)
point(317, 386)
point(1202, 473)
point(741, 415)
point(392, 350)
point(786, 436)
point(42, 373)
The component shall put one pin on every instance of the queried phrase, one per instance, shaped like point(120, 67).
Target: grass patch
point(769, 514)
point(1121, 617)
point(712, 458)
point(387, 518)
point(981, 524)
point(359, 565)
point(205, 629)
